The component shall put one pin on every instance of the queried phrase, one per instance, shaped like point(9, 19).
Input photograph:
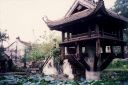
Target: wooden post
point(111, 47)
point(89, 31)
point(104, 49)
point(102, 32)
point(98, 54)
point(62, 52)
point(97, 30)
point(63, 36)
point(119, 35)
point(97, 47)
point(77, 50)
point(122, 51)
point(68, 35)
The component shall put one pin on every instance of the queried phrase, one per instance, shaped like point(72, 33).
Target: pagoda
point(90, 33)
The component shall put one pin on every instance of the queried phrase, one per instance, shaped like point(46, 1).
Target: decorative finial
point(96, 1)
point(18, 38)
point(45, 19)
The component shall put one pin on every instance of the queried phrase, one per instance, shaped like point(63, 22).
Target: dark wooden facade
point(90, 33)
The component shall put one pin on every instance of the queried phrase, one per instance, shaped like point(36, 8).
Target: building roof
point(89, 9)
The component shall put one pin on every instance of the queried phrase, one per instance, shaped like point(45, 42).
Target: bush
point(118, 64)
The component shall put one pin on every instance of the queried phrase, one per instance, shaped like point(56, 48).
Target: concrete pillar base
point(91, 75)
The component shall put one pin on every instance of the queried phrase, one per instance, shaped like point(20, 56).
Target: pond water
point(38, 79)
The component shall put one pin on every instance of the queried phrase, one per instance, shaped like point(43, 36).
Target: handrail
point(91, 34)
point(46, 61)
point(73, 57)
point(82, 34)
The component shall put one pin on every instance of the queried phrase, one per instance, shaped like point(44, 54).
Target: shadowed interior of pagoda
point(81, 57)
point(100, 29)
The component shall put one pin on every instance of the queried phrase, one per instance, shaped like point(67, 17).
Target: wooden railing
point(93, 34)
point(84, 34)
point(109, 34)
point(78, 35)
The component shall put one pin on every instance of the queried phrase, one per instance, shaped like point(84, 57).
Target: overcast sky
point(24, 17)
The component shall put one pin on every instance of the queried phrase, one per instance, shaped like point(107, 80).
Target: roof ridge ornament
point(45, 18)
point(100, 4)
point(93, 1)
point(89, 4)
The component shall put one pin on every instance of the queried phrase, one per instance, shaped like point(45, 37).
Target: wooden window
point(117, 49)
point(83, 49)
point(71, 50)
point(108, 49)
point(101, 50)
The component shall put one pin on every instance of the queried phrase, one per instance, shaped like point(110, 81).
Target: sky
point(24, 17)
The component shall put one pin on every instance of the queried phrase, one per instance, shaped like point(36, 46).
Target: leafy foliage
point(43, 50)
point(118, 64)
point(125, 35)
point(48, 80)
point(114, 75)
point(39, 51)
point(3, 36)
point(121, 7)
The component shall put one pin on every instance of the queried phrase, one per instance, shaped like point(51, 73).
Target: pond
point(38, 79)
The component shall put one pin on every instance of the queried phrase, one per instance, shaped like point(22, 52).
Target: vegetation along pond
point(115, 74)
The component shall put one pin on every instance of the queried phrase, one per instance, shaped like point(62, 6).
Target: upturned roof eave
point(66, 20)
point(54, 25)
point(117, 16)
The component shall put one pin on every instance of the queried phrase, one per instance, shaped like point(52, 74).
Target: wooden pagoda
point(90, 33)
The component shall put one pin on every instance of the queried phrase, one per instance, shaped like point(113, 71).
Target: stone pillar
point(92, 75)
point(93, 60)
point(91, 57)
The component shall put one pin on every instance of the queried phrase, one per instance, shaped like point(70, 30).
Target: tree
point(3, 56)
point(121, 7)
point(3, 36)
point(44, 50)
point(36, 52)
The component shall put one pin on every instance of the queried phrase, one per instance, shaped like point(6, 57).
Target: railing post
point(77, 50)
point(68, 35)
point(89, 32)
point(97, 30)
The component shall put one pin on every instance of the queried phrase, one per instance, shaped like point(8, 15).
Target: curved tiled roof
point(84, 14)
